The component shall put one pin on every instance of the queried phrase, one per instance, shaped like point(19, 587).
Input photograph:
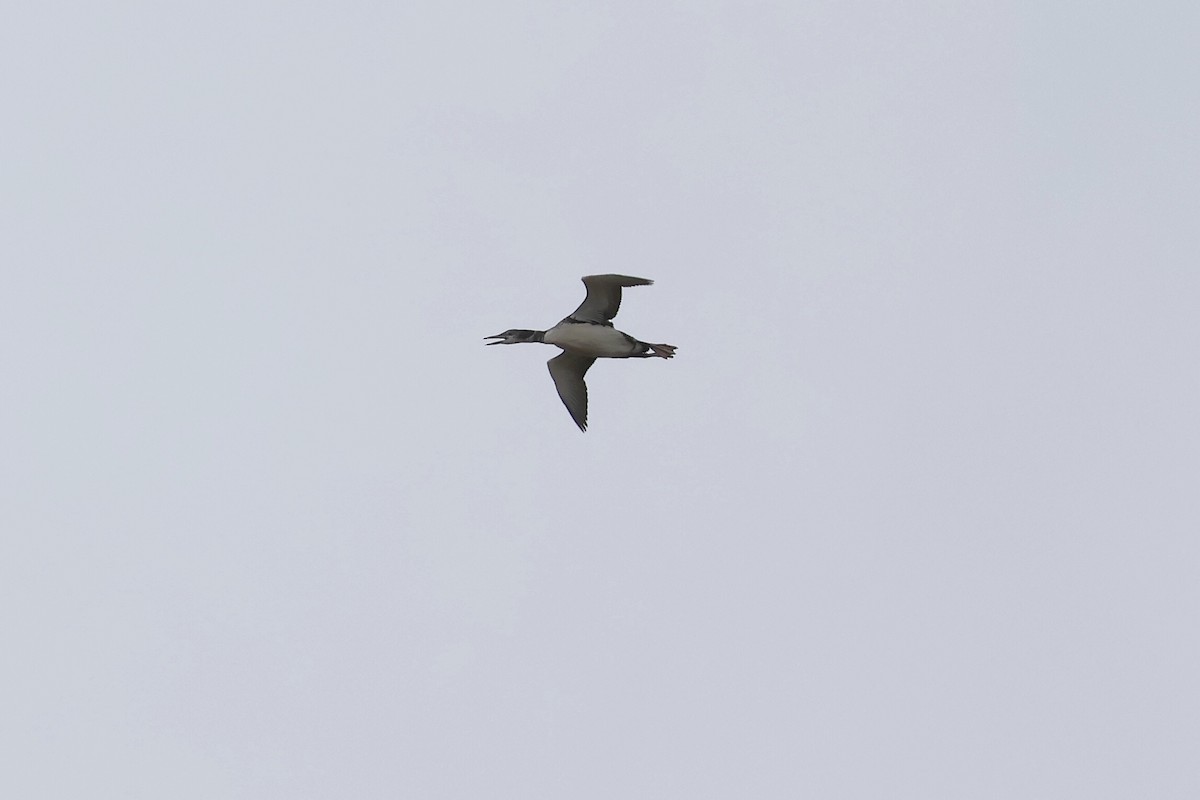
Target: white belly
point(599, 341)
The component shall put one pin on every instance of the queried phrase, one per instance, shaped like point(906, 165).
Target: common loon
point(584, 336)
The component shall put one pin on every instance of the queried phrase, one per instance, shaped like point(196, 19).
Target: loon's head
point(514, 336)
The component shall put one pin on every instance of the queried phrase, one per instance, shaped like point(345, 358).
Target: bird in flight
point(584, 336)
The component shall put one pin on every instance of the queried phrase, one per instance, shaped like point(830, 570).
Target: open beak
point(497, 336)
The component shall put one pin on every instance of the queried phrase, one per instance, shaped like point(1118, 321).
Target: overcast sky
point(912, 514)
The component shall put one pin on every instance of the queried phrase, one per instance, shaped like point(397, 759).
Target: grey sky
point(913, 514)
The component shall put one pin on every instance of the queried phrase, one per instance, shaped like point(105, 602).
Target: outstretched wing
point(604, 296)
point(568, 370)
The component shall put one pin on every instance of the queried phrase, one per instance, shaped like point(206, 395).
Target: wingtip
point(621, 280)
